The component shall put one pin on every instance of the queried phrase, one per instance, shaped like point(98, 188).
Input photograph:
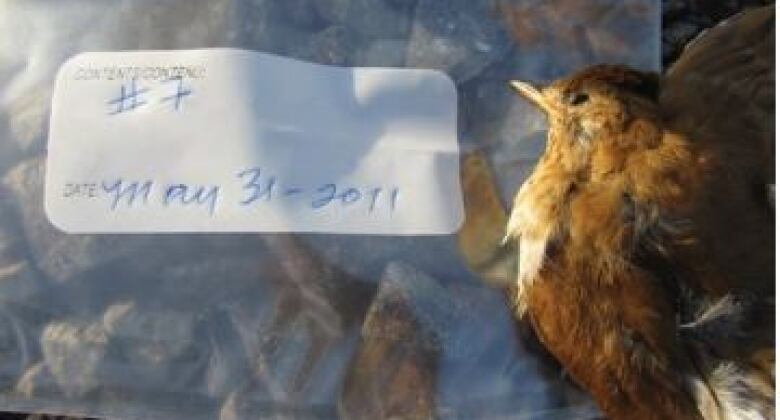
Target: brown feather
point(635, 218)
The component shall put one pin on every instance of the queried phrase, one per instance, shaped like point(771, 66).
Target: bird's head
point(602, 111)
point(602, 122)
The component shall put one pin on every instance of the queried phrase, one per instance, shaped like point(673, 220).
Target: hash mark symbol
point(128, 100)
point(180, 92)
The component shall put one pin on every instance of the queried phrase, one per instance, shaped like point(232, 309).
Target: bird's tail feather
point(734, 353)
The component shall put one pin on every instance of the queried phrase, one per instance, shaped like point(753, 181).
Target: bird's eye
point(577, 98)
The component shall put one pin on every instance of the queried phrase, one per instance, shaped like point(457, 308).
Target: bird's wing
point(720, 96)
point(722, 88)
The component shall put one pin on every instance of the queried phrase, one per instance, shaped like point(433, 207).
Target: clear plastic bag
point(291, 325)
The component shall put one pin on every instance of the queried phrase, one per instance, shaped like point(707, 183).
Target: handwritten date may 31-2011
point(257, 189)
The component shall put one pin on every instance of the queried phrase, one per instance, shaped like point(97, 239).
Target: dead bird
point(646, 233)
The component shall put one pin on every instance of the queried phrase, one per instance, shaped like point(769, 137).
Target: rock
point(155, 336)
point(131, 348)
point(394, 371)
point(425, 351)
point(214, 282)
point(304, 14)
point(152, 347)
point(364, 258)
point(16, 350)
point(298, 332)
point(18, 278)
point(250, 402)
point(332, 297)
point(334, 46)
point(59, 255)
point(321, 31)
point(10, 152)
point(18, 282)
point(36, 382)
point(333, 11)
point(384, 53)
point(253, 402)
point(74, 352)
point(273, 27)
point(370, 18)
point(28, 117)
point(228, 366)
point(287, 355)
point(459, 37)
point(294, 358)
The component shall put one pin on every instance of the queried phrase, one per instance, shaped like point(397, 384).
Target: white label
point(223, 140)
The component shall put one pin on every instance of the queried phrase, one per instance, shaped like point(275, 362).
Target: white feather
point(727, 395)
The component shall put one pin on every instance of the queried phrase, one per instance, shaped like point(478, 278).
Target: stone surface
point(253, 401)
point(393, 374)
point(19, 279)
point(152, 349)
point(60, 256)
point(459, 37)
point(74, 352)
point(425, 352)
point(364, 258)
point(370, 18)
point(335, 45)
point(228, 367)
point(331, 296)
point(290, 340)
point(130, 348)
point(385, 52)
point(28, 119)
point(16, 350)
point(150, 336)
point(36, 381)
point(292, 357)
point(323, 31)
point(18, 282)
point(215, 281)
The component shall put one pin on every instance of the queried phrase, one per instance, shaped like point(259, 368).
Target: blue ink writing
point(181, 92)
point(118, 190)
point(394, 200)
point(329, 193)
point(257, 190)
point(128, 100)
point(257, 187)
point(187, 195)
point(374, 196)
point(292, 191)
point(350, 196)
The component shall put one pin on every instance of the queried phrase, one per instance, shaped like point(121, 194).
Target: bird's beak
point(531, 93)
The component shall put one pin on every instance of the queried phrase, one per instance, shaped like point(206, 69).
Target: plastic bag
point(290, 325)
